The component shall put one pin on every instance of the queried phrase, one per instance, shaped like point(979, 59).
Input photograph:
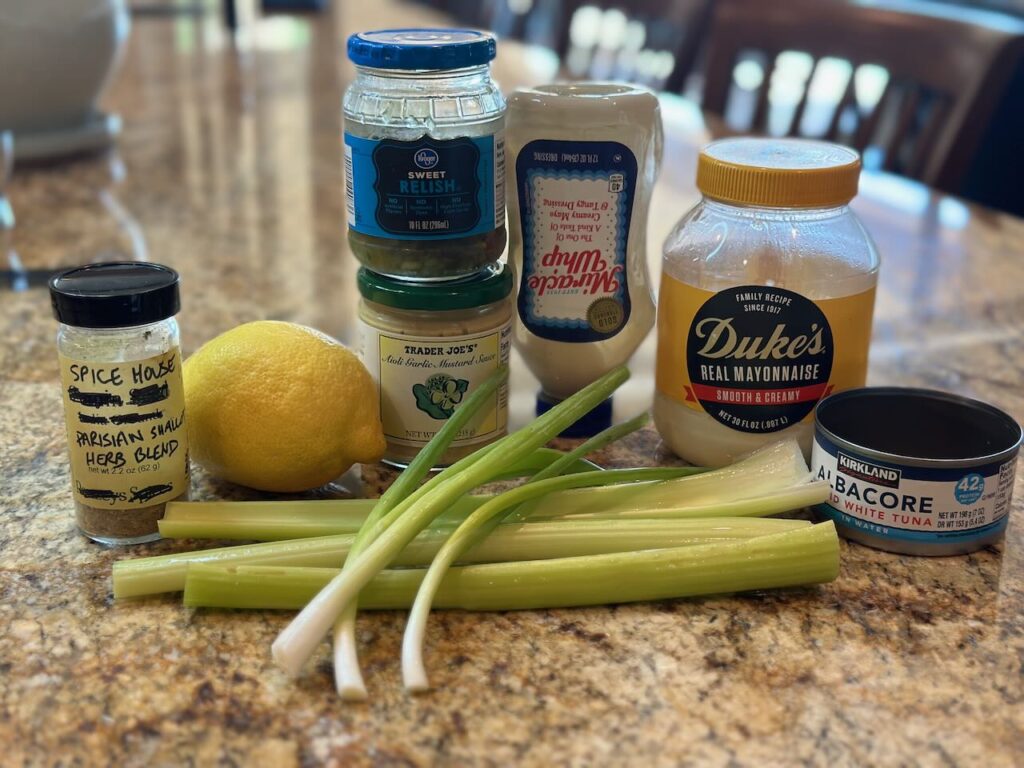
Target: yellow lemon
point(280, 407)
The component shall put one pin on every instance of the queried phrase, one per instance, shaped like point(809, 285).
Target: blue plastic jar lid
point(421, 48)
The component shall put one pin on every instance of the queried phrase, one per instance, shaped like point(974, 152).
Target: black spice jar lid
point(116, 294)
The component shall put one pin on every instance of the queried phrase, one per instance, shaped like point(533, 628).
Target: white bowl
point(56, 57)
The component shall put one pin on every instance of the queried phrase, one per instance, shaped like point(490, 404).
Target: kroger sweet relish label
point(430, 189)
point(575, 205)
point(758, 358)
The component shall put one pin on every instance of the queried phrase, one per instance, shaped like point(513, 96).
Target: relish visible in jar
point(427, 347)
point(767, 293)
point(424, 153)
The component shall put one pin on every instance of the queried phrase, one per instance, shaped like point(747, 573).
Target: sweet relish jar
point(424, 153)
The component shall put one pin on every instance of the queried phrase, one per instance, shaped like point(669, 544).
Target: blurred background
point(932, 90)
point(139, 128)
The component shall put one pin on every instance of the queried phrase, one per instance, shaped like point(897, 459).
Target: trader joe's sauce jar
point(429, 346)
point(767, 292)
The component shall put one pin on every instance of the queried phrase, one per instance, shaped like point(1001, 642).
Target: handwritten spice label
point(126, 430)
point(575, 202)
point(423, 379)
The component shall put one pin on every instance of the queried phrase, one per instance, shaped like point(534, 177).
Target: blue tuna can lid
point(413, 49)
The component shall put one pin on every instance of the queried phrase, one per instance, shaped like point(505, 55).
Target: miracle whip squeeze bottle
point(583, 158)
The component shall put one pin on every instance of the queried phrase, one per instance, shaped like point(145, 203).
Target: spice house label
point(575, 201)
point(126, 430)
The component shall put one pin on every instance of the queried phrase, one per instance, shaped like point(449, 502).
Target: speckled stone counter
point(231, 174)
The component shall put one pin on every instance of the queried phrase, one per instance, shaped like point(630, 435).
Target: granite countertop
point(229, 171)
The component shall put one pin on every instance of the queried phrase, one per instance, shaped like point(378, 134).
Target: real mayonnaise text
point(767, 293)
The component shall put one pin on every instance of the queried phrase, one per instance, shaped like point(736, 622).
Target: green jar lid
point(488, 286)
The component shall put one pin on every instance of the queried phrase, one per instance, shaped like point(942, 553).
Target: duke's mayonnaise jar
point(767, 293)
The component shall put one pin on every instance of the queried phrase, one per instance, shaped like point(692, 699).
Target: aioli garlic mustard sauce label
point(758, 358)
point(126, 430)
point(423, 379)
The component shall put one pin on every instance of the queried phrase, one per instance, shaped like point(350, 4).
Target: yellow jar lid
point(778, 173)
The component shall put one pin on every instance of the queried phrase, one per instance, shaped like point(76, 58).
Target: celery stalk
point(804, 556)
point(774, 467)
point(742, 474)
point(555, 539)
point(510, 541)
point(264, 520)
point(303, 518)
point(166, 573)
point(803, 494)
point(298, 640)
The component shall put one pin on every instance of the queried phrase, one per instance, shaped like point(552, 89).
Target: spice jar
point(424, 153)
point(428, 347)
point(124, 402)
point(767, 294)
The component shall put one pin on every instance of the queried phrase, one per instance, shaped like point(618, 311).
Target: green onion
point(594, 443)
point(510, 541)
point(413, 635)
point(348, 678)
point(298, 640)
point(804, 556)
point(751, 473)
point(556, 468)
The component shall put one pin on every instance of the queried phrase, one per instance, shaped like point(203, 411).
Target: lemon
point(280, 407)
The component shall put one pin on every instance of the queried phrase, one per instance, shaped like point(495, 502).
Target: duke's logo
point(758, 357)
point(425, 158)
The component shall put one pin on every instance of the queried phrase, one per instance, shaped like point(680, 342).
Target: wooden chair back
point(662, 55)
point(947, 68)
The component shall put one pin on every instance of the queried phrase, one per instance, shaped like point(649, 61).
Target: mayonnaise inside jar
point(766, 300)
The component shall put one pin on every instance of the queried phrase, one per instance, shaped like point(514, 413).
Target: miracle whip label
point(575, 203)
point(758, 358)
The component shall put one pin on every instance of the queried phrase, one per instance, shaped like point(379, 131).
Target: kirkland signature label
point(922, 504)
